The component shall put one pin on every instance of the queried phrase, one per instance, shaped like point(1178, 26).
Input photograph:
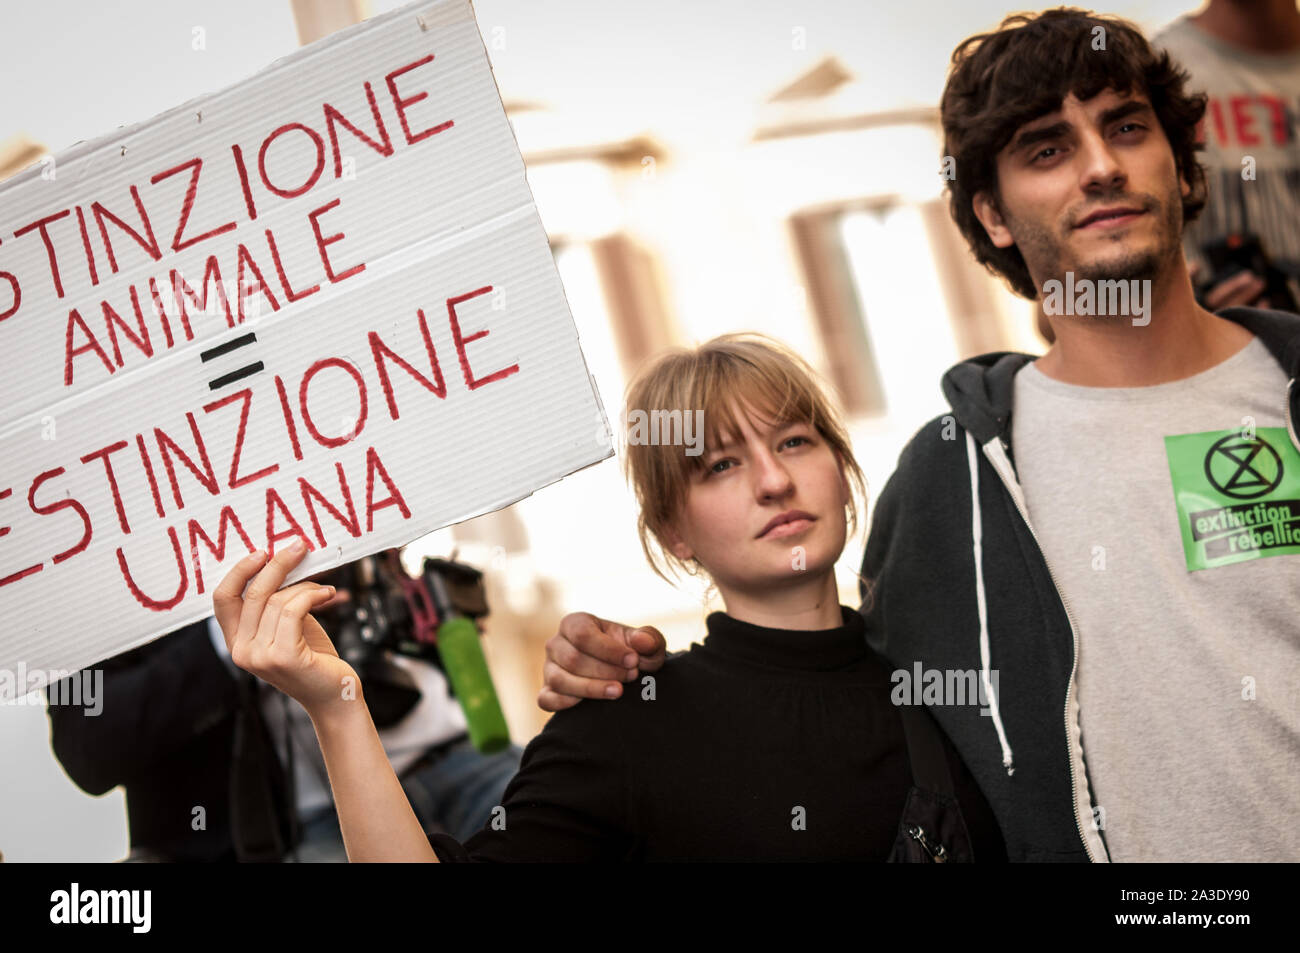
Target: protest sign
point(319, 304)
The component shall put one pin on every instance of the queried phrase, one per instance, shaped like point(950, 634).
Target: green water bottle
point(466, 668)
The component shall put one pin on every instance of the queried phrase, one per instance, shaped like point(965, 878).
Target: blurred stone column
point(320, 18)
point(17, 153)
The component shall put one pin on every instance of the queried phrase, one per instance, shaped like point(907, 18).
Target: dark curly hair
point(1024, 70)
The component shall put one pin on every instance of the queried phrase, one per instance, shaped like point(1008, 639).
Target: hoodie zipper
point(1074, 662)
point(936, 850)
point(1286, 409)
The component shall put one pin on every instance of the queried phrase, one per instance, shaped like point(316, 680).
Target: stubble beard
point(1041, 244)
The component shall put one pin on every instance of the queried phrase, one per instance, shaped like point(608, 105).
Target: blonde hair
point(716, 378)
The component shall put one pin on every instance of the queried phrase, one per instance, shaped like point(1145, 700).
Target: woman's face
point(763, 474)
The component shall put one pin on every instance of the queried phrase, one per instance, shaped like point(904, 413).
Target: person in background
point(211, 758)
point(1244, 249)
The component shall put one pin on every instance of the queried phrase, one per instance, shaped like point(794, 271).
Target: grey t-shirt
point(1188, 678)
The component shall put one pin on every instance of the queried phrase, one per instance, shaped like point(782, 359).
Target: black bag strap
point(925, 750)
point(261, 816)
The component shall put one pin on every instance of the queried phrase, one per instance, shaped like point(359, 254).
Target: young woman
point(775, 738)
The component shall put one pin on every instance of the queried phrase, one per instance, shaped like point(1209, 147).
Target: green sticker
point(1237, 494)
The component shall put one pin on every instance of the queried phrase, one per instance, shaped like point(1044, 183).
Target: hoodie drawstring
point(977, 538)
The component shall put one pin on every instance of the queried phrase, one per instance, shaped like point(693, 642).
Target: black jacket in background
point(179, 732)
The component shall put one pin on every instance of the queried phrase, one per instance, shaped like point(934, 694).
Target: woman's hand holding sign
point(271, 633)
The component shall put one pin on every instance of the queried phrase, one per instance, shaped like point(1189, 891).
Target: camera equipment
point(1237, 252)
point(430, 617)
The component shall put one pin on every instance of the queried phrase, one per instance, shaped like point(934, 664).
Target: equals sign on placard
point(231, 345)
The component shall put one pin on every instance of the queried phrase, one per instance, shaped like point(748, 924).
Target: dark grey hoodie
point(958, 587)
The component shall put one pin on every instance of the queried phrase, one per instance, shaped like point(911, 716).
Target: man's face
point(1091, 188)
point(763, 473)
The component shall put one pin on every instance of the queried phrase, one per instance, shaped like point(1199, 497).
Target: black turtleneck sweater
point(759, 744)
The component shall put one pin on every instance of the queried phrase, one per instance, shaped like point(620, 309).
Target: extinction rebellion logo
point(1242, 467)
point(1237, 493)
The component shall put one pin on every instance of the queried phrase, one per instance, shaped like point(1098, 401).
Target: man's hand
point(1243, 288)
point(590, 658)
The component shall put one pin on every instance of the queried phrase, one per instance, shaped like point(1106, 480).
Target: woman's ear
point(675, 544)
point(846, 493)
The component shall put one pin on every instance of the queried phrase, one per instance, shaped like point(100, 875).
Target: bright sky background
point(74, 69)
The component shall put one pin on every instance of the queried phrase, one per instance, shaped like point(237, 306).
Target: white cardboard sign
point(317, 304)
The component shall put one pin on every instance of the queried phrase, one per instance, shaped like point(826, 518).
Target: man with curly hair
point(1111, 529)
